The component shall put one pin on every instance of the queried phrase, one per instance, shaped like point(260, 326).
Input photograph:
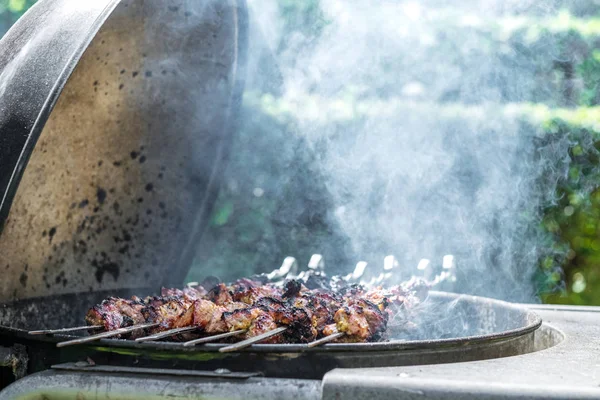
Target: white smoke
point(405, 108)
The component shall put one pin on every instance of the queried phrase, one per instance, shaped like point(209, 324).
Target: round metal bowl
point(450, 328)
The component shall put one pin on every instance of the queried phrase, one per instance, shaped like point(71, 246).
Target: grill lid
point(116, 119)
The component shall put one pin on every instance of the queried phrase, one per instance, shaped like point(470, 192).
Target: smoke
point(405, 106)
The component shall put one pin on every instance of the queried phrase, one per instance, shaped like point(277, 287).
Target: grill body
point(453, 328)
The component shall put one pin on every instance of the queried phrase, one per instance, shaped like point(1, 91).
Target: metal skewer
point(170, 332)
point(289, 266)
point(424, 269)
point(326, 339)
point(358, 272)
point(214, 338)
point(65, 330)
point(249, 342)
point(316, 262)
point(108, 334)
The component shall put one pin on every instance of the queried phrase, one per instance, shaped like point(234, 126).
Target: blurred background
point(541, 57)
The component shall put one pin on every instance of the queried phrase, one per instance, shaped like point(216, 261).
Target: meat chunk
point(263, 324)
point(114, 313)
point(361, 320)
point(249, 291)
point(241, 318)
point(172, 313)
point(220, 295)
point(209, 316)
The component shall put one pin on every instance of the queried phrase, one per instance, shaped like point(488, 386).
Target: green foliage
point(10, 11)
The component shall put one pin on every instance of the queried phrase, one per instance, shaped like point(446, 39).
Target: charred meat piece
point(299, 323)
point(361, 320)
point(172, 313)
point(188, 293)
point(292, 288)
point(249, 292)
point(263, 323)
point(322, 307)
point(243, 290)
point(298, 319)
point(330, 330)
point(272, 312)
point(114, 313)
point(377, 297)
point(241, 318)
point(270, 303)
point(209, 316)
point(220, 295)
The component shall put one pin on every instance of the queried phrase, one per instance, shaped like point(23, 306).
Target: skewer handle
point(213, 338)
point(104, 335)
point(288, 267)
point(316, 263)
point(249, 342)
point(65, 330)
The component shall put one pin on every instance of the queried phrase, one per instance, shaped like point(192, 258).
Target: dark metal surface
point(15, 358)
point(117, 118)
point(452, 328)
point(219, 373)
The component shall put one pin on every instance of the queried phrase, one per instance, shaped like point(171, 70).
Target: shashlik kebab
point(256, 307)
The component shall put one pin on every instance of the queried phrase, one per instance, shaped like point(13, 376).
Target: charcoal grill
point(104, 194)
point(478, 329)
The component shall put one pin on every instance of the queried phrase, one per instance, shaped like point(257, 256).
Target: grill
point(477, 328)
point(104, 195)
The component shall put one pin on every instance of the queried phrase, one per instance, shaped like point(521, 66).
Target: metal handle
point(219, 373)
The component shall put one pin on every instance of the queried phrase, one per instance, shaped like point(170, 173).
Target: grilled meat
point(302, 328)
point(174, 312)
point(242, 318)
point(322, 305)
point(257, 307)
point(268, 311)
point(220, 295)
point(208, 316)
point(361, 320)
point(263, 323)
point(114, 313)
point(189, 293)
point(247, 291)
